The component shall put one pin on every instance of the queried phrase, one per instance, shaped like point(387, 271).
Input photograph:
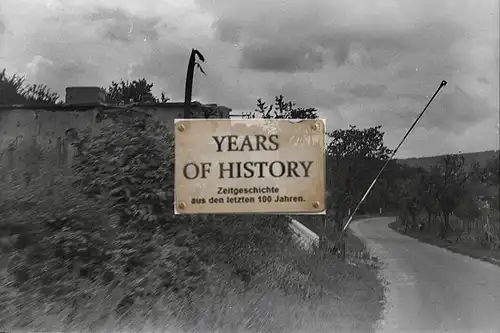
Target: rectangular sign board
point(274, 166)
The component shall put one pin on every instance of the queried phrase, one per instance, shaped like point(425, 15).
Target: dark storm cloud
point(119, 25)
point(227, 31)
point(418, 68)
point(364, 90)
point(305, 95)
point(280, 57)
point(336, 40)
point(71, 73)
point(72, 69)
point(483, 80)
point(416, 97)
point(458, 110)
point(168, 64)
point(453, 111)
point(382, 48)
point(341, 52)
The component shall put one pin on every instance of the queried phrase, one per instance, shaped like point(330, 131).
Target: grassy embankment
point(472, 245)
point(108, 255)
point(340, 297)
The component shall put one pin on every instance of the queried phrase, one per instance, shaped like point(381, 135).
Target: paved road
point(431, 289)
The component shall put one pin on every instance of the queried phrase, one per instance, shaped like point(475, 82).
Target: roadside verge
point(473, 251)
point(364, 271)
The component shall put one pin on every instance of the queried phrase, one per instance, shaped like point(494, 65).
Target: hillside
point(102, 250)
point(481, 157)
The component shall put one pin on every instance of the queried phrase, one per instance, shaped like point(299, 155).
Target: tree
point(490, 177)
point(40, 94)
point(284, 110)
point(124, 92)
point(450, 179)
point(381, 197)
point(164, 98)
point(386, 193)
point(417, 193)
point(13, 90)
point(427, 196)
point(468, 210)
point(491, 172)
point(353, 158)
point(410, 199)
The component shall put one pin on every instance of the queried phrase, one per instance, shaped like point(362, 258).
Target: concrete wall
point(26, 132)
point(303, 236)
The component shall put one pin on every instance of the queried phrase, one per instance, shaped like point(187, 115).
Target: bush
point(133, 159)
point(468, 210)
point(116, 226)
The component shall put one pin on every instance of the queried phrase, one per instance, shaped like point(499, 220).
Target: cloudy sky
point(363, 62)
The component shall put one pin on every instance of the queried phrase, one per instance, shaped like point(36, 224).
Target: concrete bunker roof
point(88, 106)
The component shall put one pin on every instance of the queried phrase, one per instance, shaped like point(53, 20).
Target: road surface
point(431, 289)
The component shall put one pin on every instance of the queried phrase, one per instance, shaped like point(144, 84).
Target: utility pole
point(189, 80)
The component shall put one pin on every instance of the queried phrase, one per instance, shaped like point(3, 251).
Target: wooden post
point(189, 81)
point(343, 245)
point(189, 86)
point(325, 227)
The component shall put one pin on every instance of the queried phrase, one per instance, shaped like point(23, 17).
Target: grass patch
point(348, 300)
point(357, 255)
point(355, 247)
point(291, 291)
point(471, 249)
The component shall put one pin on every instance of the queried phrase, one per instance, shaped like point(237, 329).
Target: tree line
point(353, 158)
point(15, 90)
point(449, 188)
